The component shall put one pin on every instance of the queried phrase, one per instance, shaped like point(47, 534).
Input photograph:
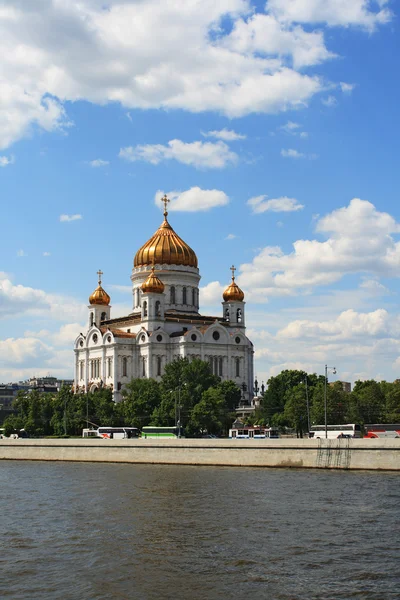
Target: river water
point(73, 531)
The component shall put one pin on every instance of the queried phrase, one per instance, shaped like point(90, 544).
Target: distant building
point(346, 385)
point(9, 391)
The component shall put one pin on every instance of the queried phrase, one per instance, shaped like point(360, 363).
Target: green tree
point(392, 403)
point(208, 415)
point(140, 398)
point(274, 397)
point(368, 402)
point(337, 404)
point(296, 409)
point(231, 392)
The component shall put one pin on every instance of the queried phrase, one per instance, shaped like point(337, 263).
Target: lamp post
point(325, 401)
point(308, 406)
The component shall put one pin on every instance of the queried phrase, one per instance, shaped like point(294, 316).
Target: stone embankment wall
point(383, 454)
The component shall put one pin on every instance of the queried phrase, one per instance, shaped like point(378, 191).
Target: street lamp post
point(325, 400)
point(308, 406)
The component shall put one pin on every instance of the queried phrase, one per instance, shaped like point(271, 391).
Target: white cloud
point(360, 241)
point(98, 162)
point(54, 51)
point(357, 13)
point(228, 135)
point(348, 324)
point(347, 88)
point(265, 35)
point(211, 294)
point(5, 161)
point(197, 154)
point(260, 204)
point(69, 218)
point(23, 351)
point(330, 101)
point(231, 236)
point(291, 153)
point(21, 253)
point(193, 200)
point(17, 300)
point(46, 253)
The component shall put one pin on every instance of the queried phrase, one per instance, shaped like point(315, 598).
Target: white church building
point(164, 324)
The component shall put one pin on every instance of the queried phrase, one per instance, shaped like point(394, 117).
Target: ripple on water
point(97, 531)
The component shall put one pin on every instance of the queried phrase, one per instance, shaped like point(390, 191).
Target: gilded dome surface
point(233, 293)
point(165, 248)
point(153, 284)
point(99, 295)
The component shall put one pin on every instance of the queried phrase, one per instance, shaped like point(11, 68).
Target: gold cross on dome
point(100, 273)
point(233, 269)
point(165, 200)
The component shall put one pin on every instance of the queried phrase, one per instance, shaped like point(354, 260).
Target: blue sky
point(272, 126)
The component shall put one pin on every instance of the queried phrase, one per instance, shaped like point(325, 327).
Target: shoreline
point(342, 454)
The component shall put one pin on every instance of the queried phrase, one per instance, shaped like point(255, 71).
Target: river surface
point(91, 531)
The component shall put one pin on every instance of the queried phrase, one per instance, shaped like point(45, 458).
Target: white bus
point(109, 433)
point(335, 431)
point(256, 432)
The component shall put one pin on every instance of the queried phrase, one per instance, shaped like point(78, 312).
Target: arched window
point(143, 366)
point(227, 314)
point(137, 297)
point(220, 367)
point(109, 367)
point(172, 294)
point(103, 316)
point(158, 308)
point(158, 366)
point(237, 367)
point(91, 319)
point(184, 296)
point(145, 308)
point(124, 366)
point(193, 297)
point(239, 315)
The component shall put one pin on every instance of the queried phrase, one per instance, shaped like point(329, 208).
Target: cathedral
point(164, 324)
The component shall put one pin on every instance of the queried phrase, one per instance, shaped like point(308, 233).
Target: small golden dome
point(233, 293)
point(153, 284)
point(99, 295)
point(165, 247)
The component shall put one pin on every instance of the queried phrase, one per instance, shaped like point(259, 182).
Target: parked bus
point(107, 433)
point(256, 432)
point(336, 431)
point(161, 432)
point(385, 430)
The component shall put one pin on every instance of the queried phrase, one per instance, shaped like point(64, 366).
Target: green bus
point(161, 432)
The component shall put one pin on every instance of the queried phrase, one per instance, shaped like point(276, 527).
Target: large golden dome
point(153, 284)
point(233, 293)
point(99, 296)
point(165, 248)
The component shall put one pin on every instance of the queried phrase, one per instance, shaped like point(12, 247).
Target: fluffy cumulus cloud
point(125, 51)
point(348, 324)
point(193, 200)
point(228, 135)
point(202, 155)
point(358, 13)
point(260, 204)
point(18, 300)
point(360, 239)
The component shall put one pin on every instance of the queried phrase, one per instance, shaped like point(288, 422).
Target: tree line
point(284, 403)
point(187, 391)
